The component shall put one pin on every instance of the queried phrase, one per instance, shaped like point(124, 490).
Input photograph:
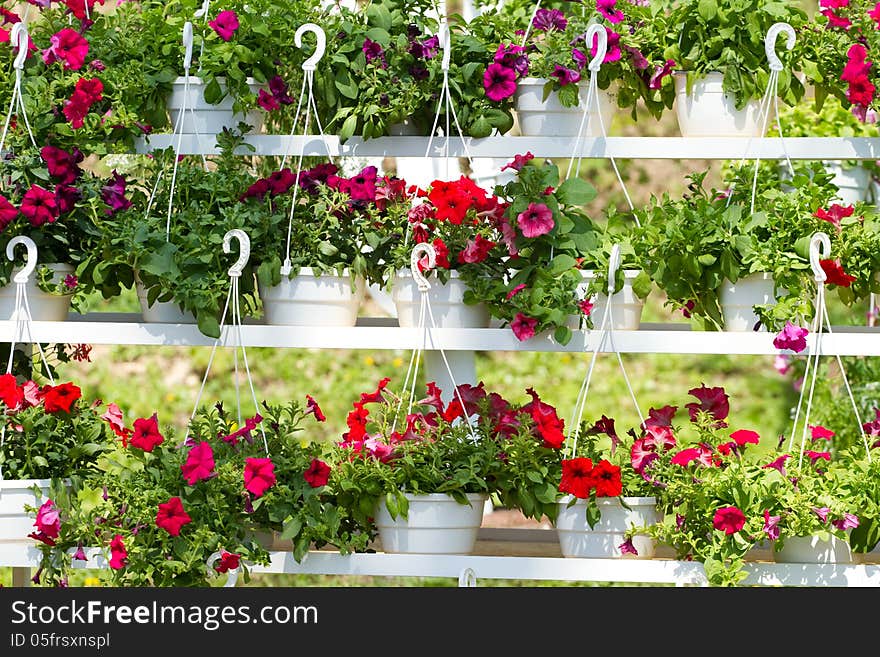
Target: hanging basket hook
point(244, 250)
point(231, 574)
point(596, 30)
point(770, 43)
point(312, 62)
point(19, 37)
point(613, 266)
point(420, 250)
point(187, 45)
point(30, 260)
point(820, 249)
point(443, 37)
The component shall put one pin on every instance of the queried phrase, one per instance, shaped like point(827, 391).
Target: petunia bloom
point(118, 553)
point(259, 475)
point(713, 402)
point(834, 273)
point(171, 516)
point(778, 463)
point(791, 337)
point(848, 521)
point(627, 547)
point(318, 473)
point(227, 561)
point(39, 206)
point(518, 162)
point(729, 519)
point(535, 220)
point(61, 397)
point(771, 525)
point(499, 82)
point(225, 24)
point(577, 477)
point(606, 479)
point(146, 433)
point(523, 327)
point(69, 47)
point(199, 464)
point(48, 523)
point(313, 409)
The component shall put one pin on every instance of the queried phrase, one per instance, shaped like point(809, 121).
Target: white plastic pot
point(201, 117)
point(435, 524)
point(43, 306)
point(550, 118)
point(738, 299)
point(15, 522)
point(447, 303)
point(308, 299)
point(161, 312)
point(626, 306)
point(853, 183)
point(813, 549)
point(709, 112)
point(578, 539)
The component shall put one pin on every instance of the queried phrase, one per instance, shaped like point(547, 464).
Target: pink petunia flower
point(791, 337)
point(499, 82)
point(535, 220)
point(771, 525)
point(199, 464)
point(729, 519)
point(523, 327)
point(69, 47)
point(259, 475)
point(225, 24)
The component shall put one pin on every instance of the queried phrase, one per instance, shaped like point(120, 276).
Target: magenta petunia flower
point(512, 56)
point(713, 401)
point(586, 307)
point(8, 212)
point(118, 553)
point(848, 521)
point(822, 513)
point(744, 437)
point(791, 337)
point(729, 519)
point(834, 214)
point(818, 432)
point(267, 101)
point(69, 47)
point(171, 516)
point(39, 206)
point(637, 58)
point(114, 194)
point(199, 464)
point(259, 475)
point(642, 454)
point(627, 547)
point(612, 53)
point(771, 525)
point(778, 464)
point(606, 8)
point(523, 327)
point(225, 24)
point(535, 220)
point(373, 50)
point(499, 82)
point(549, 19)
point(518, 162)
point(63, 166)
point(661, 72)
point(565, 76)
point(516, 290)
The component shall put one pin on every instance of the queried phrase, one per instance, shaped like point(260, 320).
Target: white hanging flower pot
point(161, 312)
point(853, 183)
point(578, 539)
point(550, 118)
point(310, 299)
point(435, 524)
point(447, 303)
point(201, 117)
point(707, 111)
point(814, 549)
point(43, 306)
point(738, 299)
point(626, 306)
point(15, 522)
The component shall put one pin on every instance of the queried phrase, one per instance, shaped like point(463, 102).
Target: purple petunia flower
point(565, 76)
point(549, 19)
point(499, 82)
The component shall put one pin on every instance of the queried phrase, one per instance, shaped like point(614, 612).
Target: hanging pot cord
point(309, 66)
point(446, 101)
point(606, 329)
point(18, 36)
point(820, 248)
point(597, 33)
point(23, 317)
point(425, 250)
point(771, 97)
point(232, 299)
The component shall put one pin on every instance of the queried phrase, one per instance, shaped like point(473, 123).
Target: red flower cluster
point(861, 91)
point(55, 399)
point(87, 92)
point(580, 478)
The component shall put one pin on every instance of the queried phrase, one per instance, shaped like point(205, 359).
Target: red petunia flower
point(199, 464)
point(39, 206)
point(118, 553)
point(61, 397)
point(259, 475)
point(171, 516)
point(313, 408)
point(729, 519)
point(318, 473)
point(577, 477)
point(146, 433)
point(834, 273)
point(606, 479)
point(228, 561)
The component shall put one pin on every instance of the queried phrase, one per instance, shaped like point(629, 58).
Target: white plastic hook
point(770, 43)
point(30, 260)
point(597, 30)
point(19, 37)
point(187, 45)
point(613, 266)
point(203, 11)
point(443, 37)
point(244, 249)
point(420, 250)
point(467, 578)
point(231, 574)
point(312, 62)
point(820, 249)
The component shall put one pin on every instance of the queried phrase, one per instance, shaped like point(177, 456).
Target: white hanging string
point(19, 37)
point(528, 29)
point(446, 101)
point(820, 248)
point(606, 329)
point(232, 299)
point(597, 32)
point(419, 251)
point(22, 313)
point(309, 66)
point(771, 97)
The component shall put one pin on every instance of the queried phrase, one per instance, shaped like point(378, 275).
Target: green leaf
point(707, 9)
point(213, 92)
point(562, 335)
point(208, 324)
point(348, 128)
point(560, 264)
point(576, 191)
point(391, 503)
point(291, 529)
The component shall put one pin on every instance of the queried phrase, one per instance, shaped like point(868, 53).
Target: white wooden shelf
point(644, 571)
point(662, 148)
point(383, 333)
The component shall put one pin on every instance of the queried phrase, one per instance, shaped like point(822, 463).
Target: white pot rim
point(310, 271)
point(630, 501)
point(196, 80)
point(441, 497)
point(406, 272)
point(25, 483)
point(756, 275)
point(627, 273)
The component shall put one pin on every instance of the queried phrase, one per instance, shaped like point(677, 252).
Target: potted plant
point(236, 71)
point(543, 60)
point(51, 438)
point(722, 494)
point(722, 70)
point(170, 247)
point(708, 245)
point(415, 473)
point(172, 513)
point(545, 232)
point(46, 196)
point(842, 42)
point(854, 179)
point(460, 220)
point(83, 85)
point(331, 223)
